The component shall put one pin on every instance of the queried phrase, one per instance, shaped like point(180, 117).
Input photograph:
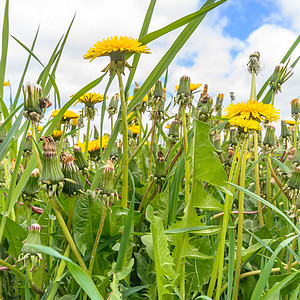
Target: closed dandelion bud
point(157, 94)
point(150, 93)
point(285, 133)
point(2, 133)
point(20, 171)
point(294, 182)
point(108, 178)
point(136, 89)
point(296, 157)
point(217, 141)
point(270, 139)
point(114, 153)
point(113, 105)
point(2, 176)
point(232, 97)
point(160, 170)
point(232, 137)
point(218, 106)
point(205, 109)
point(254, 64)
point(173, 135)
point(80, 159)
point(34, 102)
point(96, 133)
point(52, 174)
point(71, 171)
point(29, 254)
point(275, 78)
point(184, 95)
point(27, 149)
point(295, 108)
point(229, 157)
point(32, 186)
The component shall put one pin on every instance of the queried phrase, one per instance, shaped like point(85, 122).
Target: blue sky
point(216, 54)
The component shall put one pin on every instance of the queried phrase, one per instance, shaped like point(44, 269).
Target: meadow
point(198, 204)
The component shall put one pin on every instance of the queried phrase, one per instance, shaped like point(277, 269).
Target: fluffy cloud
point(211, 55)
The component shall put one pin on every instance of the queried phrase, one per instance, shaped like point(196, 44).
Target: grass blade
point(5, 30)
point(259, 288)
point(25, 70)
point(79, 275)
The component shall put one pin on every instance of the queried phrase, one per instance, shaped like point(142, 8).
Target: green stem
point(273, 98)
point(296, 132)
point(111, 124)
point(187, 171)
point(253, 96)
point(59, 273)
point(87, 137)
point(67, 234)
point(240, 225)
point(61, 140)
point(256, 177)
point(125, 143)
point(152, 141)
point(219, 260)
point(269, 190)
point(35, 150)
point(94, 251)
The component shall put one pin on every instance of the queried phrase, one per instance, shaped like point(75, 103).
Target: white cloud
point(221, 59)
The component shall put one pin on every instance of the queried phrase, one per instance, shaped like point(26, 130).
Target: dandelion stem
point(35, 150)
point(87, 137)
point(61, 140)
point(125, 143)
point(240, 225)
point(256, 177)
point(67, 234)
point(101, 224)
point(296, 132)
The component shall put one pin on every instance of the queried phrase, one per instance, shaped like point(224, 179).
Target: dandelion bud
point(232, 97)
point(232, 137)
point(28, 253)
point(160, 170)
point(173, 135)
point(114, 153)
point(254, 64)
point(229, 157)
point(295, 108)
point(205, 109)
point(184, 95)
point(71, 171)
point(113, 105)
point(96, 133)
point(217, 141)
point(294, 182)
point(218, 106)
point(52, 175)
point(284, 130)
point(296, 157)
point(270, 139)
point(2, 133)
point(136, 89)
point(108, 178)
point(34, 102)
point(80, 160)
point(32, 186)
point(27, 149)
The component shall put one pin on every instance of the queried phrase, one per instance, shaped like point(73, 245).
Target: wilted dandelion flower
point(252, 110)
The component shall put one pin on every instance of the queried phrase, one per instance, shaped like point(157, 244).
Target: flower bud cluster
point(184, 95)
point(204, 106)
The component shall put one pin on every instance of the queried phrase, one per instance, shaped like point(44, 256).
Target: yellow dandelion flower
point(6, 83)
point(122, 44)
point(145, 99)
point(193, 86)
point(74, 122)
point(245, 124)
point(68, 115)
point(252, 110)
point(90, 99)
point(95, 144)
point(168, 126)
point(134, 128)
point(290, 122)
